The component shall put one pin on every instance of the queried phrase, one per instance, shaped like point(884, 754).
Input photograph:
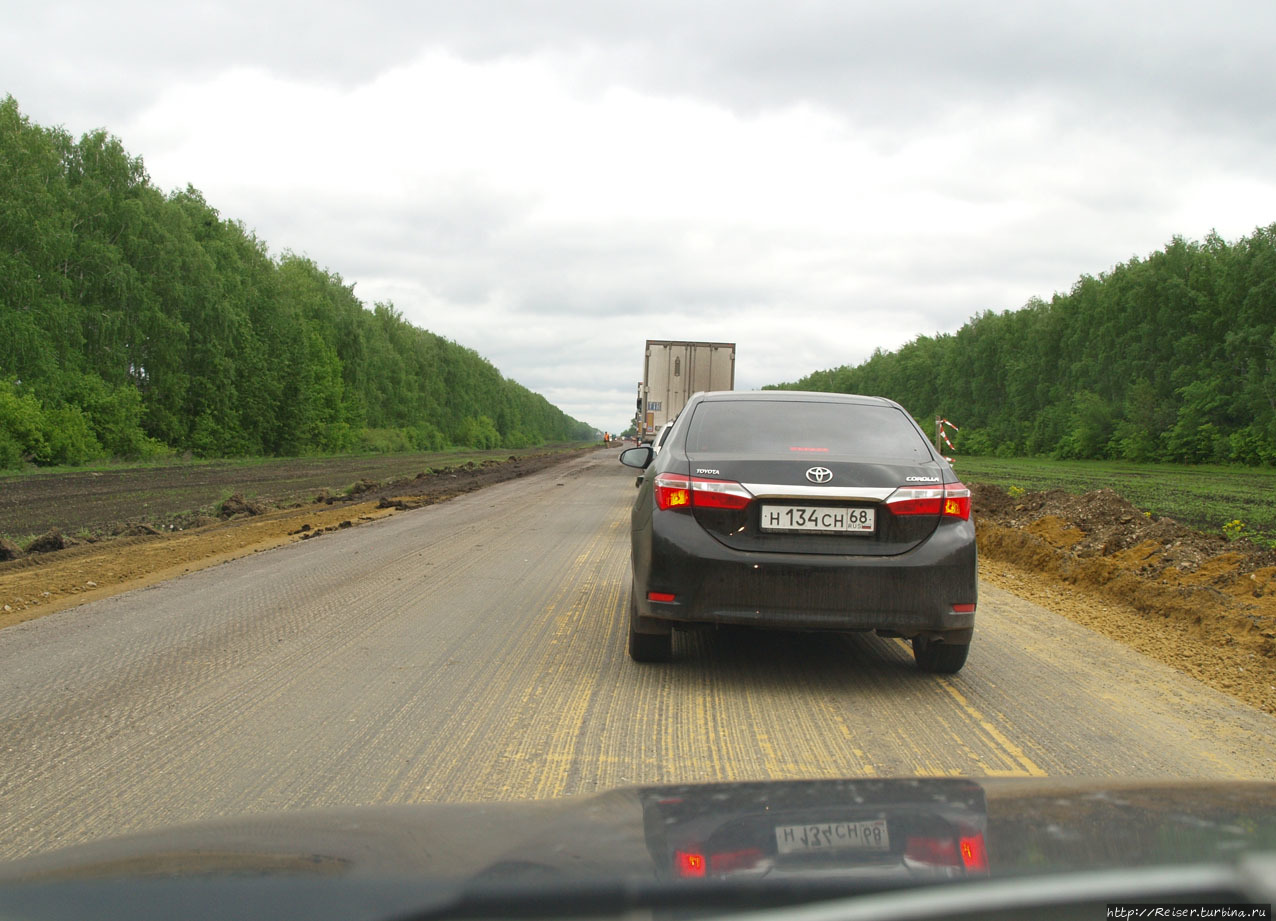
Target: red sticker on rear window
point(813, 450)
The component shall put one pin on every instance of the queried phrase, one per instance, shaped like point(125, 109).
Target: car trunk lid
point(821, 505)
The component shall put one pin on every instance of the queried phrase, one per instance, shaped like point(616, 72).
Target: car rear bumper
point(910, 593)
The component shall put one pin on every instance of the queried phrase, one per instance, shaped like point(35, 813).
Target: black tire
point(647, 647)
point(939, 658)
point(650, 647)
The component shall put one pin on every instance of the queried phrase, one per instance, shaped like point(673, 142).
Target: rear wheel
point(647, 647)
point(650, 647)
point(939, 658)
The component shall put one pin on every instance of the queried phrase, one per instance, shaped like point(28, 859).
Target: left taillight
point(718, 494)
point(952, 500)
point(675, 491)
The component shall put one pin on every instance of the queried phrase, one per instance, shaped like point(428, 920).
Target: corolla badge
point(819, 474)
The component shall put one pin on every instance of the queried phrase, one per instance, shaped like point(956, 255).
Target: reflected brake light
point(688, 864)
point(676, 491)
point(967, 852)
point(973, 853)
point(952, 500)
point(730, 861)
point(934, 852)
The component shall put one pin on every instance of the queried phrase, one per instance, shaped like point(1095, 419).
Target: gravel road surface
point(474, 650)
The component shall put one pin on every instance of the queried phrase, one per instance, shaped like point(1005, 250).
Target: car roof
point(790, 396)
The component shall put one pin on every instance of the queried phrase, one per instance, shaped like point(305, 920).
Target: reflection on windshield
point(874, 829)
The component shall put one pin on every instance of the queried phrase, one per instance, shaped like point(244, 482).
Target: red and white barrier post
point(941, 434)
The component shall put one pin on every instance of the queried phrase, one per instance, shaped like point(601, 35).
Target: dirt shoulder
point(1197, 602)
point(40, 583)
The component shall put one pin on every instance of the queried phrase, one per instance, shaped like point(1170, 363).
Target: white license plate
point(828, 836)
point(814, 518)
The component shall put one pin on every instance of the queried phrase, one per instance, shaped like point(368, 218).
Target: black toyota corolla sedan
point(801, 511)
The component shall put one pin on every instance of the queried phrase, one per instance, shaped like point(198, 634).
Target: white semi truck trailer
point(672, 371)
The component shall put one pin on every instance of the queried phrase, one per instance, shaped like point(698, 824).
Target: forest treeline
point(1172, 357)
point(135, 323)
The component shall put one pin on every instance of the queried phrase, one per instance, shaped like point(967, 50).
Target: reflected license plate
point(814, 518)
point(827, 836)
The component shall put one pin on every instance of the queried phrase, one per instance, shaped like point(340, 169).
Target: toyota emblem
point(819, 474)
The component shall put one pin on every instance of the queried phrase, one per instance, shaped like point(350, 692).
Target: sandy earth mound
point(1196, 601)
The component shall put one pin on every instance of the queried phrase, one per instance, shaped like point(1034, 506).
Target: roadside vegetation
point(1167, 358)
point(141, 324)
point(1230, 501)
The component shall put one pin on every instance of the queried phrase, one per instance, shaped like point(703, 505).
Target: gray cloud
point(1203, 63)
point(812, 180)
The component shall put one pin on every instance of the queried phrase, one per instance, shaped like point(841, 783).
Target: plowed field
point(150, 546)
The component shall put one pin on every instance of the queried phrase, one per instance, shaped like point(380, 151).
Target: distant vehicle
point(804, 511)
point(672, 371)
point(661, 436)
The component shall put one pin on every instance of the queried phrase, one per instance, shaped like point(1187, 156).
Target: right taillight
point(951, 500)
point(957, 501)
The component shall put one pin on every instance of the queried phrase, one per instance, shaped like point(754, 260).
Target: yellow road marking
point(1010, 748)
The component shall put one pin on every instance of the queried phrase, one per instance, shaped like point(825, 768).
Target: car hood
point(641, 835)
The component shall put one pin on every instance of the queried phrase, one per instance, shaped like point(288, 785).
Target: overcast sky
point(552, 183)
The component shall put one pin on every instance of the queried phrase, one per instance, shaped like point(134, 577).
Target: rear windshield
point(804, 429)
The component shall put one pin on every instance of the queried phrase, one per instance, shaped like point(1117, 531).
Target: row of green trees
point(1172, 357)
point(134, 322)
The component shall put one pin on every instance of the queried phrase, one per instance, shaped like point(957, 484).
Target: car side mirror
point(639, 457)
